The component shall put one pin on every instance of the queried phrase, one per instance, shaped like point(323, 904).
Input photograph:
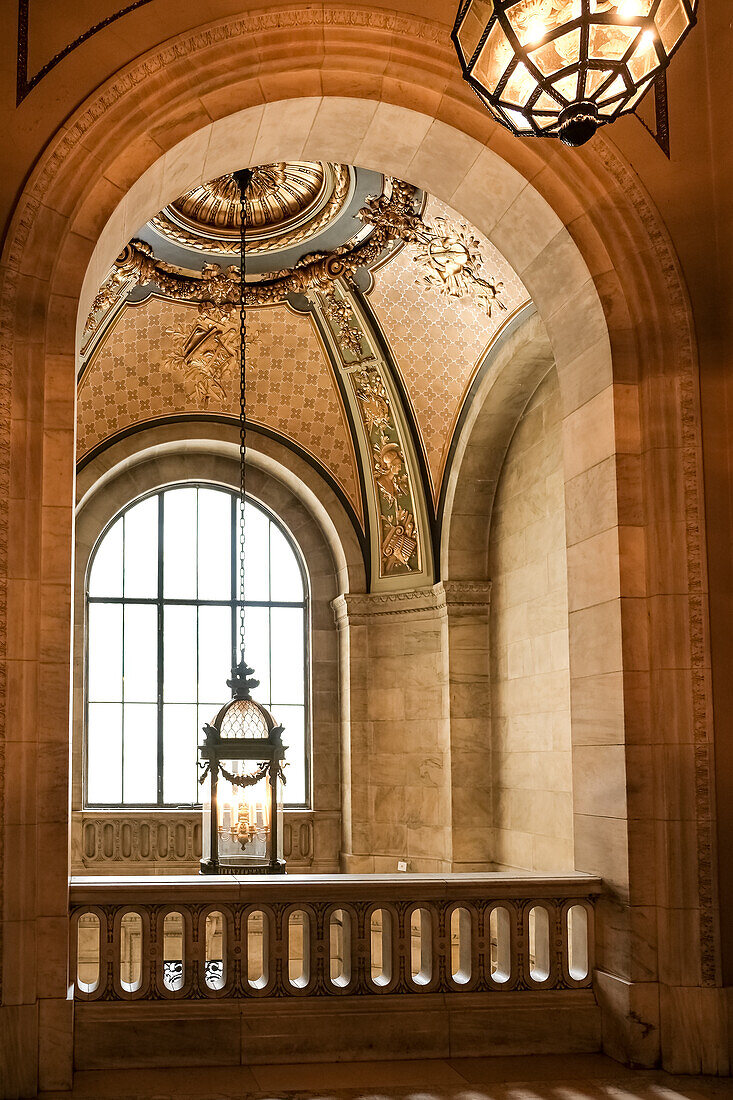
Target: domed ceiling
point(287, 204)
point(371, 307)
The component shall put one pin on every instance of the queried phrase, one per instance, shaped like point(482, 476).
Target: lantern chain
point(243, 178)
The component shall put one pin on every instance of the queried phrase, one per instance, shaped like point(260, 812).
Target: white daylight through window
point(163, 606)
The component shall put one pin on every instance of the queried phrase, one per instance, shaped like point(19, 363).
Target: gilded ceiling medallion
point(287, 203)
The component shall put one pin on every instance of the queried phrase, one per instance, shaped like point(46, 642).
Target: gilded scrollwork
point(399, 540)
point(339, 312)
point(450, 256)
point(220, 286)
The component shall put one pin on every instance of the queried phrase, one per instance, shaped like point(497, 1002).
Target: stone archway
point(620, 330)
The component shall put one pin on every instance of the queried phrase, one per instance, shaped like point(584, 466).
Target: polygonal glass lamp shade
point(562, 68)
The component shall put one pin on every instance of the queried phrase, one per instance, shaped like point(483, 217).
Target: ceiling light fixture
point(562, 68)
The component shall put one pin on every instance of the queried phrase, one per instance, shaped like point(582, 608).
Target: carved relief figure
point(451, 262)
point(205, 354)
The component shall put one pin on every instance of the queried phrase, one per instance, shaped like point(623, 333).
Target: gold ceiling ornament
point(562, 68)
point(450, 256)
point(287, 203)
point(398, 542)
point(340, 313)
point(391, 218)
point(204, 354)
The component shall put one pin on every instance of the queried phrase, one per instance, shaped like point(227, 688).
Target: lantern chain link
point(242, 179)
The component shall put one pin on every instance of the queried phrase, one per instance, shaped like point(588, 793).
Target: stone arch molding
point(498, 199)
point(209, 442)
point(612, 273)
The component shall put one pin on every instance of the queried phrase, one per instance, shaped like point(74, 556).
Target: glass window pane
point(105, 652)
point(140, 756)
point(257, 643)
point(287, 655)
point(141, 653)
point(141, 549)
point(215, 652)
point(257, 554)
point(286, 580)
point(293, 720)
point(180, 751)
point(215, 545)
point(105, 577)
point(179, 654)
point(104, 753)
point(179, 544)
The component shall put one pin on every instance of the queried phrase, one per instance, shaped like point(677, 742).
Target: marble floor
point(549, 1077)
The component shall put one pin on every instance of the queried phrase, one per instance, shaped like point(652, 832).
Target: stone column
point(395, 725)
point(467, 647)
point(36, 1018)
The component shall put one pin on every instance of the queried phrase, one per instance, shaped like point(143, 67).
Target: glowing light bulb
point(536, 30)
point(647, 40)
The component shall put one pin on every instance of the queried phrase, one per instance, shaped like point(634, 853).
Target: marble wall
point(530, 680)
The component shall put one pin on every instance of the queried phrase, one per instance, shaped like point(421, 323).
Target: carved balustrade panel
point(150, 841)
point(142, 939)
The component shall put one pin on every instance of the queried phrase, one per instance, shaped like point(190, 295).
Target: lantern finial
point(241, 682)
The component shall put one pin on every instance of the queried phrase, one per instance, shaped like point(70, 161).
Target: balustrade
point(141, 939)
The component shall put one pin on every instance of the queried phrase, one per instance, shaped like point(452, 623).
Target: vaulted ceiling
point(366, 374)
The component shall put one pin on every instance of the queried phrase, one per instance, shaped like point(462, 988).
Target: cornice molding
point(352, 609)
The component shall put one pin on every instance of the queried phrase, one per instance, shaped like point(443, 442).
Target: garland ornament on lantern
point(242, 815)
point(562, 68)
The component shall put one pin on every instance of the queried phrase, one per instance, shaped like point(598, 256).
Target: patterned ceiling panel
point(163, 358)
point(438, 339)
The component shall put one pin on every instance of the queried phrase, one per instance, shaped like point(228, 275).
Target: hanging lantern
point(242, 812)
point(562, 68)
point(242, 755)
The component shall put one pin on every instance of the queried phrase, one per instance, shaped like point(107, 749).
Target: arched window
point(163, 606)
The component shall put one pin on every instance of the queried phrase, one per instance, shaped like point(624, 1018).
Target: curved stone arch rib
point(211, 440)
point(506, 381)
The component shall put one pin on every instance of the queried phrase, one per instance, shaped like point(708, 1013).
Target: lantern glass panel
point(519, 86)
point(593, 80)
point(633, 9)
point(644, 58)
point(244, 819)
point(494, 58)
point(610, 43)
point(478, 14)
point(244, 719)
point(533, 20)
point(567, 86)
point(672, 22)
point(613, 91)
point(517, 120)
point(554, 56)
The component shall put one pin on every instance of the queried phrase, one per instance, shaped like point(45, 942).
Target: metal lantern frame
point(267, 753)
point(540, 67)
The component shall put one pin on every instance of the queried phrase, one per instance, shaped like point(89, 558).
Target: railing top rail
point(128, 889)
